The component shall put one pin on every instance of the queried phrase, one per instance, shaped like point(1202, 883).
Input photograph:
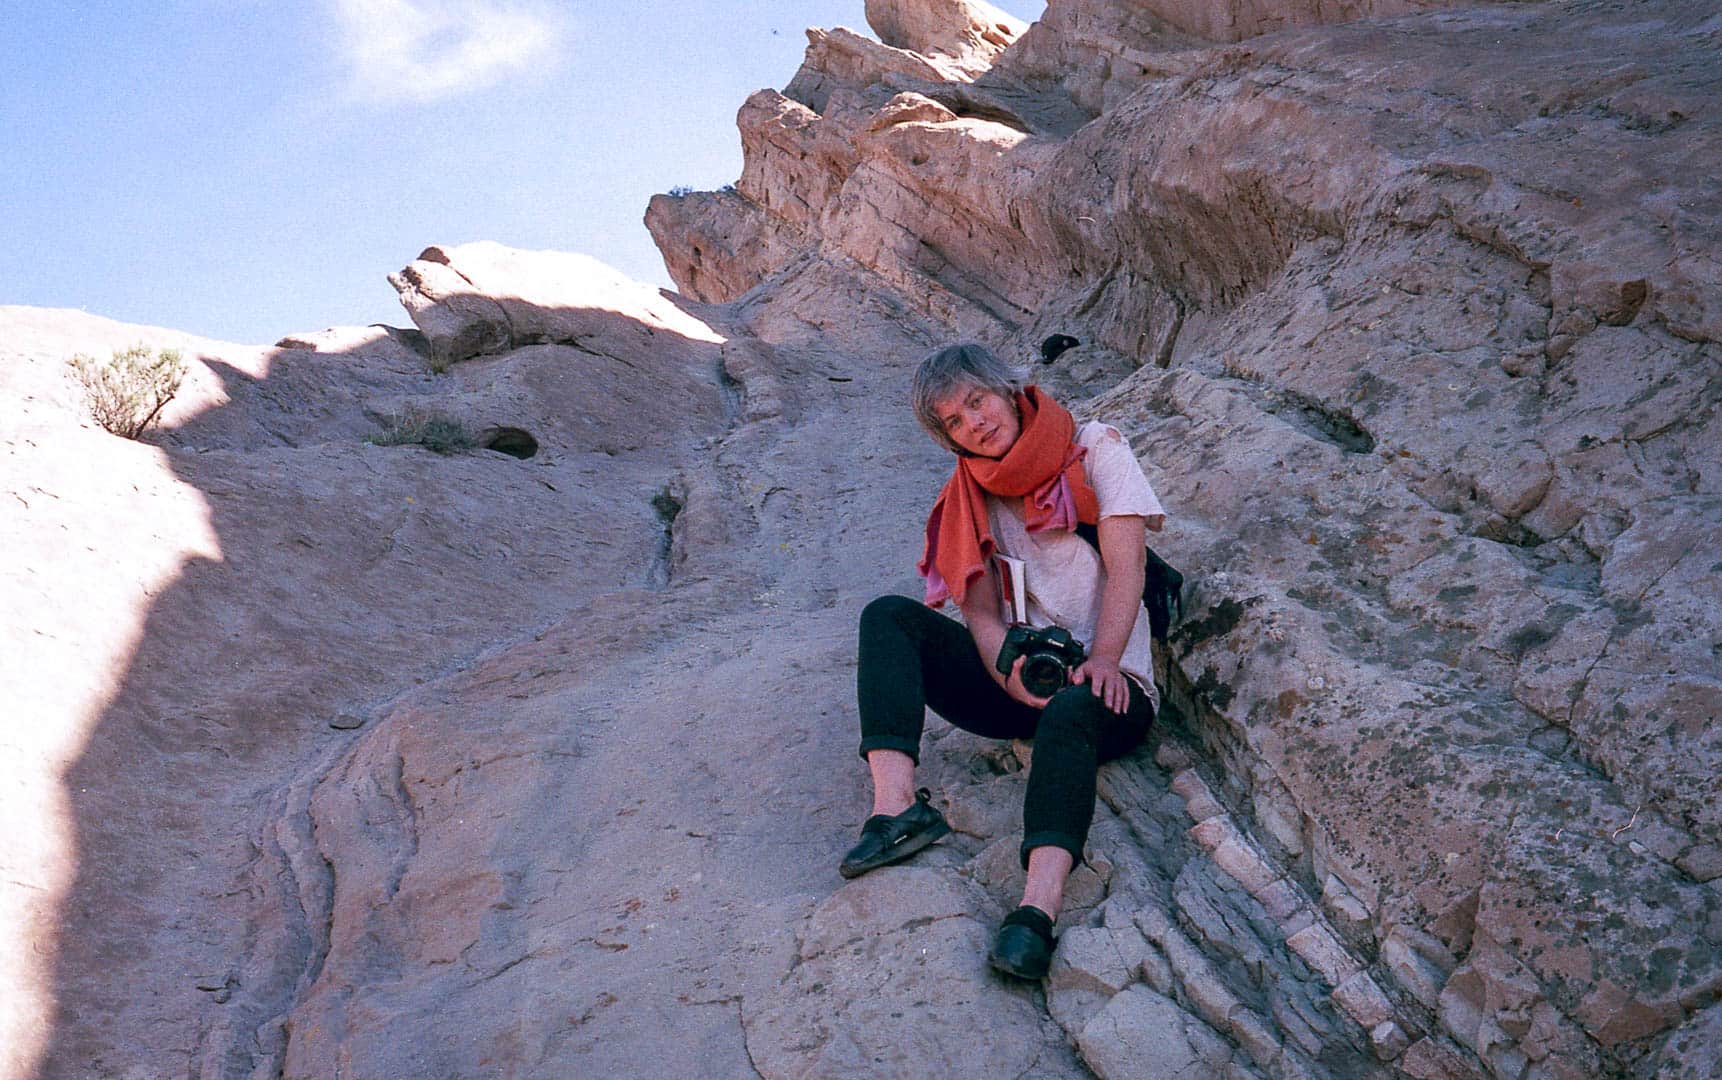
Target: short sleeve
point(1115, 474)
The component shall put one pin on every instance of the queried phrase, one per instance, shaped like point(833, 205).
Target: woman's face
point(981, 421)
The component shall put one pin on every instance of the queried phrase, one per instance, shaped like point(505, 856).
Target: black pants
point(912, 658)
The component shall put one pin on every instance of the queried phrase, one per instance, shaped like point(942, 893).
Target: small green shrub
point(427, 428)
point(127, 393)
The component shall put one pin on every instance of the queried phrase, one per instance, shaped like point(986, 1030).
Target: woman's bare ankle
point(1048, 867)
point(892, 803)
point(893, 781)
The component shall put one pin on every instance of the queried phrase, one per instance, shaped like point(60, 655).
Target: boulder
point(1141, 1035)
point(893, 979)
point(482, 298)
point(967, 35)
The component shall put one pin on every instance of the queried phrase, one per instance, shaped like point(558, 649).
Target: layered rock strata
point(364, 760)
point(1425, 321)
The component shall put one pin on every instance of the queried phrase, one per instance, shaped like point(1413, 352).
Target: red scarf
point(1044, 466)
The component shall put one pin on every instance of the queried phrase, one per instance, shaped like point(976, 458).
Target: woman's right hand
point(1014, 687)
point(981, 613)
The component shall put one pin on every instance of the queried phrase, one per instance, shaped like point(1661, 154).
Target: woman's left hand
point(1110, 684)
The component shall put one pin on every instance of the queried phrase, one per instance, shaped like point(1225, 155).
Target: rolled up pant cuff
point(1049, 838)
point(912, 747)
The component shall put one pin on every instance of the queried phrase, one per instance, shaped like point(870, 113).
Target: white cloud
point(412, 51)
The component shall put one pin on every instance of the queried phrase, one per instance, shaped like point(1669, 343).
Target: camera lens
point(1043, 674)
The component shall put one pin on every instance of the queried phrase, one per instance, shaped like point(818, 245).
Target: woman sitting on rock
point(1026, 478)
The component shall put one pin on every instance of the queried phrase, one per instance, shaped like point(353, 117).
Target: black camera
point(1048, 657)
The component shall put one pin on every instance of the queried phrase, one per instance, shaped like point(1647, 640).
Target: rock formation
point(1423, 325)
point(349, 759)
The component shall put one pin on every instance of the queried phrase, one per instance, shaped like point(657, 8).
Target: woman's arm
point(987, 628)
point(1123, 553)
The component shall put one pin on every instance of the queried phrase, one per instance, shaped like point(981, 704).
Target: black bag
point(1162, 586)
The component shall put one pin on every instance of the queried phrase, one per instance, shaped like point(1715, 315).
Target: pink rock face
point(358, 759)
point(967, 35)
point(1427, 324)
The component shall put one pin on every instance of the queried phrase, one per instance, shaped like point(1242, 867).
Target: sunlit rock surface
point(359, 759)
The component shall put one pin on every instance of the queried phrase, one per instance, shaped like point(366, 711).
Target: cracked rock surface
point(351, 759)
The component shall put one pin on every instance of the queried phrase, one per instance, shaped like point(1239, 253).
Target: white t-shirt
point(1064, 576)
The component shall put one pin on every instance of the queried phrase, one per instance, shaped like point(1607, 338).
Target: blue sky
point(244, 169)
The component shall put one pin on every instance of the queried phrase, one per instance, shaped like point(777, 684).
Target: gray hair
point(955, 367)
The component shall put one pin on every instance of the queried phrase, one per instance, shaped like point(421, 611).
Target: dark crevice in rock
point(668, 507)
point(1330, 424)
point(1163, 355)
point(733, 394)
point(1221, 620)
point(513, 441)
point(741, 1023)
point(966, 103)
point(294, 878)
point(1511, 533)
point(410, 827)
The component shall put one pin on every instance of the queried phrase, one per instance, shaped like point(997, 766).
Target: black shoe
point(1023, 946)
point(887, 838)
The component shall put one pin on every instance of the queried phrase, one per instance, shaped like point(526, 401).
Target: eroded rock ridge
point(1420, 316)
point(359, 759)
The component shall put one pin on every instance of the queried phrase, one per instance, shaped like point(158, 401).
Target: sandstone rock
point(456, 318)
point(1432, 1059)
point(1413, 322)
point(1691, 1049)
point(1142, 1034)
point(967, 35)
point(873, 956)
point(1201, 802)
point(718, 245)
point(1090, 958)
point(908, 108)
point(1364, 1002)
point(375, 339)
point(1090, 966)
point(1098, 53)
point(1249, 20)
point(483, 298)
point(842, 60)
point(1389, 1040)
point(1419, 963)
point(1346, 912)
point(1510, 492)
point(271, 571)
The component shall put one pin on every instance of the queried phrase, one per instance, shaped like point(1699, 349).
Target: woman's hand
point(1110, 684)
point(1014, 687)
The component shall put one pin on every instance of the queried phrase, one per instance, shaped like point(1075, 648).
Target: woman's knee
point(1073, 710)
point(886, 610)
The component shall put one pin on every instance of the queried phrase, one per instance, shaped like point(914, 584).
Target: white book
point(1013, 588)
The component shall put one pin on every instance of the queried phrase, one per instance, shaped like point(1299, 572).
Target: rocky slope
point(1424, 322)
point(346, 759)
